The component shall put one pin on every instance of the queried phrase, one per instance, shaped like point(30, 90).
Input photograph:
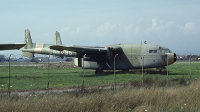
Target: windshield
point(160, 51)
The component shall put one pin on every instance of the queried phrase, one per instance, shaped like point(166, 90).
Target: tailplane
point(57, 39)
point(31, 48)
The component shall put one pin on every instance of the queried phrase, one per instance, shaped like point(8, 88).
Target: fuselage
point(132, 56)
point(146, 55)
point(125, 56)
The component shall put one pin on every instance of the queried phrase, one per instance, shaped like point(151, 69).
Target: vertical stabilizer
point(57, 39)
point(29, 44)
point(28, 40)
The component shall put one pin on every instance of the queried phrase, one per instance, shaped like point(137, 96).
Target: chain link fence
point(45, 73)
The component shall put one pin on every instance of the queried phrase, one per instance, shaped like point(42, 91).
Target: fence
point(22, 75)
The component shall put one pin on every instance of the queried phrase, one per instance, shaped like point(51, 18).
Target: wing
point(81, 49)
point(11, 46)
point(95, 53)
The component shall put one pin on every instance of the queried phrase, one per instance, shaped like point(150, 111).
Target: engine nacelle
point(85, 64)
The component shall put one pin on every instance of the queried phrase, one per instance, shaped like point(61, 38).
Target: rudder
point(57, 39)
point(29, 44)
point(27, 39)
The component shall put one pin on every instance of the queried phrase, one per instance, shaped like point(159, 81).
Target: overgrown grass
point(151, 99)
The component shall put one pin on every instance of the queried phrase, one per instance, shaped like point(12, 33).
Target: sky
point(174, 24)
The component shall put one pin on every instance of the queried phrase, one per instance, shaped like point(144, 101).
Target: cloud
point(140, 20)
point(155, 23)
point(189, 28)
point(160, 28)
point(82, 30)
point(135, 31)
point(64, 30)
point(105, 30)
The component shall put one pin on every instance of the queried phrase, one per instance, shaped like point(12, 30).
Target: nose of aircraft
point(170, 58)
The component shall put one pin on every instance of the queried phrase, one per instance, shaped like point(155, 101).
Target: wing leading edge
point(11, 46)
point(81, 49)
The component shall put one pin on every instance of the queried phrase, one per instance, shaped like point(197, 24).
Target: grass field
point(180, 94)
point(34, 77)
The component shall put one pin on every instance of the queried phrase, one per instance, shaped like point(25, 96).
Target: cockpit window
point(169, 51)
point(154, 51)
point(160, 51)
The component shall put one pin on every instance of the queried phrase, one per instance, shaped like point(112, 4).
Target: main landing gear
point(125, 70)
point(99, 71)
point(160, 68)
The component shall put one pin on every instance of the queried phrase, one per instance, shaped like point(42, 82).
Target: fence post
point(82, 88)
point(167, 71)
point(114, 72)
point(9, 76)
point(143, 69)
point(48, 73)
point(190, 66)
